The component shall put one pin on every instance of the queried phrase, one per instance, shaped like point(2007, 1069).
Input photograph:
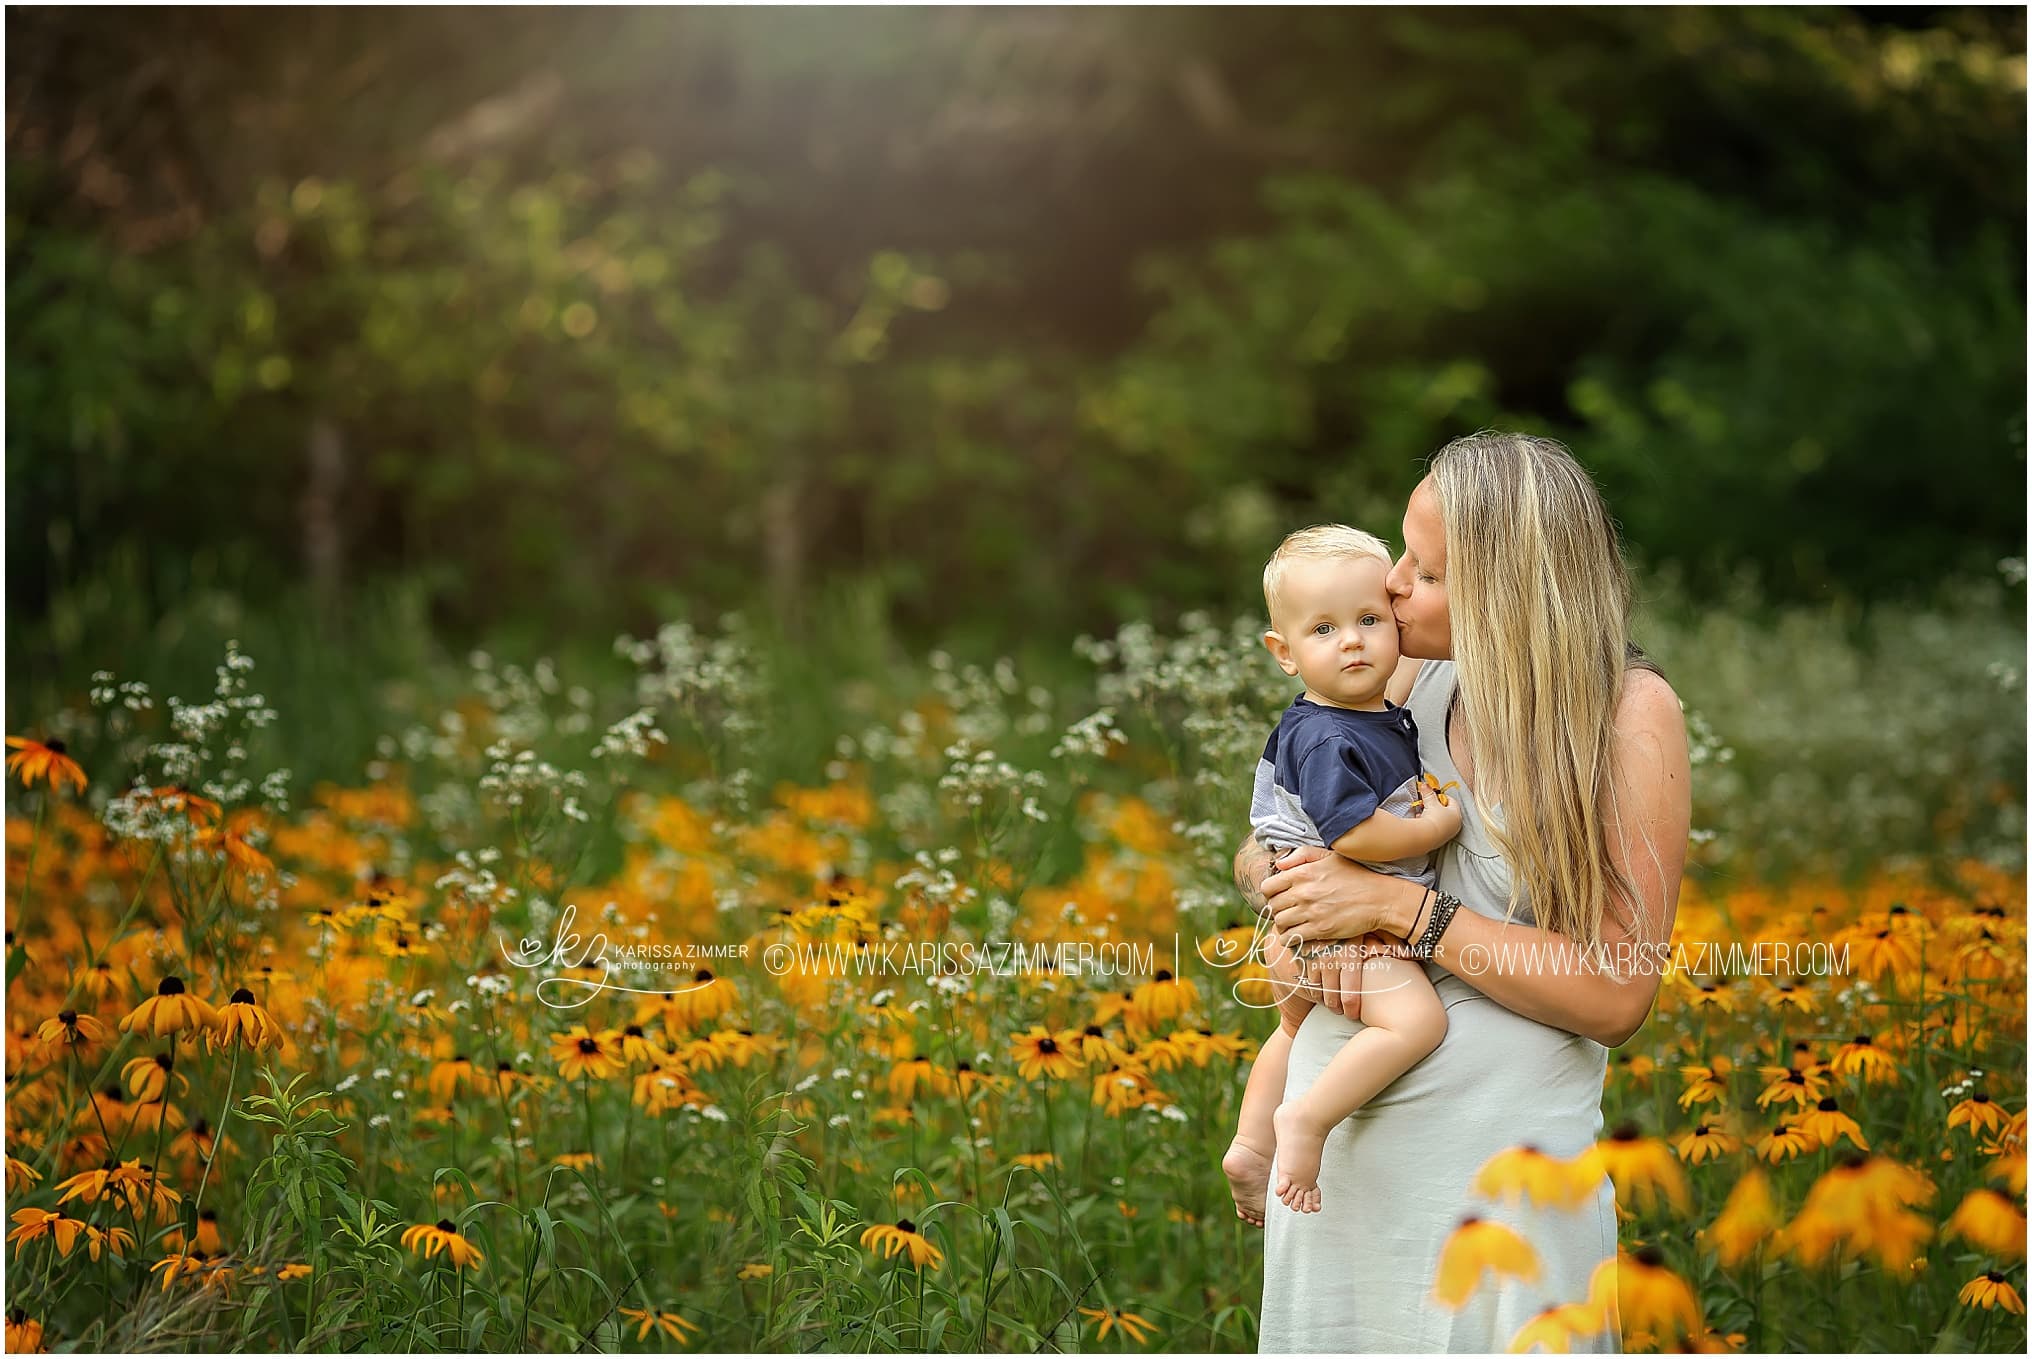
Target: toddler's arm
point(1385, 837)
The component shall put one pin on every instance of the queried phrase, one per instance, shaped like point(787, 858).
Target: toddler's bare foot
point(1248, 1172)
point(1299, 1145)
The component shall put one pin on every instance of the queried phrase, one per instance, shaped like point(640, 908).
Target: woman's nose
point(1395, 582)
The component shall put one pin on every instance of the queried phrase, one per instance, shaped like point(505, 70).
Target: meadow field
point(299, 1055)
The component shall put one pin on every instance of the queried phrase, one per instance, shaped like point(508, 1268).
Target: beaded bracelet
point(1443, 906)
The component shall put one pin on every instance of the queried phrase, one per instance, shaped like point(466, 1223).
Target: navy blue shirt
point(1326, 770)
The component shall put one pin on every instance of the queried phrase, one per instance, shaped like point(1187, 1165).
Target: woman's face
point(1418, 581)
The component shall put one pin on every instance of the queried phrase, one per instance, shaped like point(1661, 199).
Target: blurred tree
point(598, 312)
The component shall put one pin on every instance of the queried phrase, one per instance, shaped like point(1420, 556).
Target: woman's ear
point(1273, 640)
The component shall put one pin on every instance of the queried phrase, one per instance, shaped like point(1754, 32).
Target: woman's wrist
point(1400, 907)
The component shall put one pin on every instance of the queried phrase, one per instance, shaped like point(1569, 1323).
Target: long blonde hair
point(1539, 598)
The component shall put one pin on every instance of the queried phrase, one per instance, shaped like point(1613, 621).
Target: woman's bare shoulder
point(1651, 727)
point(1648, 704)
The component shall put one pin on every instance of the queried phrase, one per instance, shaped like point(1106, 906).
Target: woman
point(1512, 601)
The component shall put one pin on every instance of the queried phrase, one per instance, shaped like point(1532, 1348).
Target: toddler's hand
point(1438, 808)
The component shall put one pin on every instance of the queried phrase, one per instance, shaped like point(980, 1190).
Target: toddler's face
point(1334, 629)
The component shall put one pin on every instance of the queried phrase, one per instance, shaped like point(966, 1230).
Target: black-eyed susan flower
point(1034, 1160)
point(24, 1333)
point(1978, 1113)
point(907, 1075)
point(442, 1238)
point(177, 1266)
point(242, 1020)
point(1861, 1056)
point(703, 1001)
point(1785, 1141)
point(1790, 995)
point(100, 980)
point(1095, 1046)
point(292, 1272)
point(1525, 1172)
point(1165, 996)
point(451, 1078)
point(21, 1175)
point(1798, 1086)
point(1635, 1066)
point(1039, 1052)
point(637, 1046)
point(135, 1184)
point(1475, 1247)
point(580, 1053)
point(1991, 1290)
point(171, 1012)
point(1826, 1123)
point(32, 1224)
point(1706, 1084)
point(1747, 1219)
point(754, 1269)
point(71, 1032)
point(1647, 1299)
point(149, 1078)
point(970, 1080)
point(1118, 1090)
point(1556, 1328)
point(900, 1239)
point(1862, 1206)
point(1106, 1319)
point(44, 762)
point(669, 1323)
point(1708, 994)
point(1643, 1168)
point(1987, 1219)
point(1706, 1143)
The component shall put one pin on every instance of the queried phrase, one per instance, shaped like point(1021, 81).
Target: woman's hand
point(1320, 897)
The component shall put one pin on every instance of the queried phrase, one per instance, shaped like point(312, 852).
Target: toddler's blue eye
point(1323, 627)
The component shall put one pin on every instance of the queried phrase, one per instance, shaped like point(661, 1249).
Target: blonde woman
point(1549, 918)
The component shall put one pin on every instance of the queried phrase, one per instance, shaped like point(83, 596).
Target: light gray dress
point(1395, 1178)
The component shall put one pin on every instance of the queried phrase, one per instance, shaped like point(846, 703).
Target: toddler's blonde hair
point(1320, 542)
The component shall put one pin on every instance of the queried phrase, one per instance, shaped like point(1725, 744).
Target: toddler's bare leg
point(1247, 1164)
point(1405, 1023)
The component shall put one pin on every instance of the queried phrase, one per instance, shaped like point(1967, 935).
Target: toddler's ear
point(1273, 641)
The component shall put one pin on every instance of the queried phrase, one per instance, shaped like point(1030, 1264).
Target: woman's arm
point(1535, 971)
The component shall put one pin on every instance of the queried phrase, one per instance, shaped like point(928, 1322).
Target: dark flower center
point(1861, 1040)
point(1979, 1098)
point(704, 974)
point(1652, 1256)
point(445, 1225)
point(171, 986)
point(964, 1066)
point(1047, 1045)
point(589, 1045)
point(633, 1031)
point(1094, 1031)
point(165, 1060)
point(1993, 1276)
point(1700, 1131)
point(55, 746)
point(1625, 1132)
point(1163, 974)
point(906, 1225)
point(68, 1018)
point(1827, 1105)
point(242, 996)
